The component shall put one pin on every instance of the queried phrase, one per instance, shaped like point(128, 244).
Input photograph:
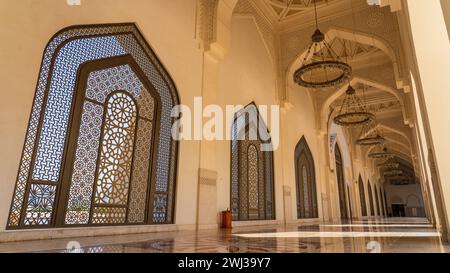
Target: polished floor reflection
point(388, 235)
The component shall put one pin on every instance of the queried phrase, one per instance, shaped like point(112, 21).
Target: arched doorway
point(371, 204)
point(377, 201)
point(305, 178)
point(252, 185)
point(341, 183)
point(362, 196)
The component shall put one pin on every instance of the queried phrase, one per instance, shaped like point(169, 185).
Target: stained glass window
point(362, 196)
point(98, 147)
point(305, 178)
point(252, 194)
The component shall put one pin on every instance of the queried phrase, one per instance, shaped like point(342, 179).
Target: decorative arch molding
point(214, 25)
point(392, 130)
point(397, 151)
point(305, 178)
point(81, 66)
point(324, 109)
point(362, 38)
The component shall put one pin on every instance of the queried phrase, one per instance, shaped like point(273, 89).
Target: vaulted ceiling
point(286, 9)
point(286, 27)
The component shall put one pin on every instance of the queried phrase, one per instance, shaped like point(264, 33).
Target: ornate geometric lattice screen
point(98, 148)
point(362, 196)
point(305, 177)
point(341, 182)
point(252, 194)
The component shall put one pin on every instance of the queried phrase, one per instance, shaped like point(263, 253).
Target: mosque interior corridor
point(225, 126)
point(389, 235)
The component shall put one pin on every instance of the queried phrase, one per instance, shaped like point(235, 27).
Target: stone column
point(432, 52)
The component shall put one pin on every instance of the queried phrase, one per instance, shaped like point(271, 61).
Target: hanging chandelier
point(370, 135)
point(380, 153)
point(393, 173)
point(352, 111)
point(390, 163)
point(321, 66)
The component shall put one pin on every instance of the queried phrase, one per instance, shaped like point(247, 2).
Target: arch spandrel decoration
point(362, 196)
point(81, 67)
point(305, 181)
point(252, 180)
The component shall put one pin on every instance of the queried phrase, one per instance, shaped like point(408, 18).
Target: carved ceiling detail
point(206, 22)
point(286, 9)
point(375, 22)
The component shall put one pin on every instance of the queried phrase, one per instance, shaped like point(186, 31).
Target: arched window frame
point(133, 45)
point(340, 177)
point(377, 198)
point(371, 202)
point(242, 126)
point(304, 160)
point(362, 196)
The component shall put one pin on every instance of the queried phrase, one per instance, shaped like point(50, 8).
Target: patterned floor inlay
point(392, 235)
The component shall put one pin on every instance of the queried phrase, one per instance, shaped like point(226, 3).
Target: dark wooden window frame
point(303, 157)
point(340, 177)
point(239, 158)
point(362, 196)
point(371, 202)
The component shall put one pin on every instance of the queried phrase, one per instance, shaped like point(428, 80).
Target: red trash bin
point(226, 219)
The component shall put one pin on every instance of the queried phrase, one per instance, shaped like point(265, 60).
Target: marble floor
point(387, 235)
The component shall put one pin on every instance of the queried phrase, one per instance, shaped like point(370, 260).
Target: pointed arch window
point(341, 182)
point(377, 199)
point(252, 185)
point(362, 196)
point(371, 204)
point(98, 148)
point(382, 207)
point(385, 203)
point(305, 178)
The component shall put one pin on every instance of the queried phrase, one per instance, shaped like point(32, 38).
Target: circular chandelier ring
point(354, 118)
point(345, 73)
point(370, 141)
point(380, 155)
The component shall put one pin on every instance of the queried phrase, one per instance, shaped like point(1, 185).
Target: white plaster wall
point(27, 25)
point(299, 121)
point(433, 59)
